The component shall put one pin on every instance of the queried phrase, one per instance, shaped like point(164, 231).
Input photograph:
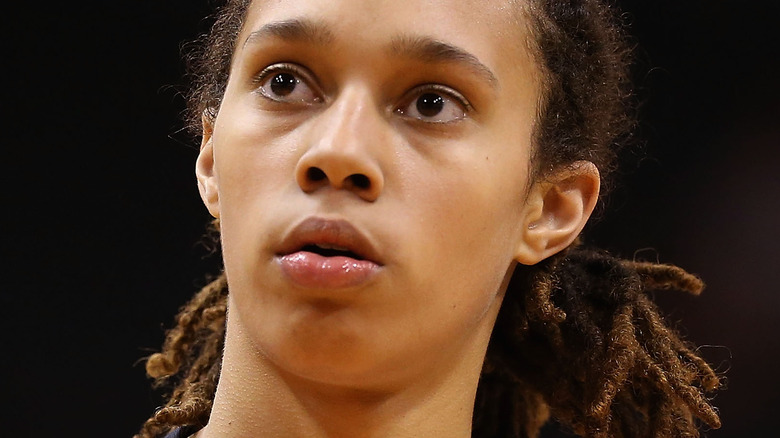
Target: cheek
point(468, 226)
point(476, 208)
point(255, 169)
point(250, 163)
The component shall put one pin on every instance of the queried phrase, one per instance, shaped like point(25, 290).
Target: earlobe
point(556, 211)
point(205, 170)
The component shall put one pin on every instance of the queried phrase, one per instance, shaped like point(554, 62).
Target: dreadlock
point(577, 338)
point(590, 347)
point(192, 355)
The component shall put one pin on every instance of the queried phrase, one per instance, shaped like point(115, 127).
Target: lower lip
point(313, 271)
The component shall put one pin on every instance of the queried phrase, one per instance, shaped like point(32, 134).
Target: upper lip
point(330, 233)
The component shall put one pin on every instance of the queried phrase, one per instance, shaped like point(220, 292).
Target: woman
point(400, 187)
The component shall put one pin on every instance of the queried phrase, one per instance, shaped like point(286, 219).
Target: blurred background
point(103, 221)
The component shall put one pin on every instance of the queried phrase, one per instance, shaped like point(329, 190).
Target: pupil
point(430, 104)
point(283, 84)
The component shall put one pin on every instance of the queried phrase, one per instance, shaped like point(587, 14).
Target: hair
point(577, 339)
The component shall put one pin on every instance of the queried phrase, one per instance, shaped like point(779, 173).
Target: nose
point(345, 147)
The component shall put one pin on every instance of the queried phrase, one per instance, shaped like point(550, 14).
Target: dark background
point(102, 217)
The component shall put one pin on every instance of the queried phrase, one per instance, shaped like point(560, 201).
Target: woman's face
point(370, 162)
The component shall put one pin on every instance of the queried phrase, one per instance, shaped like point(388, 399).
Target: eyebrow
point(427, 49)
point(297, 29)
point(422, 48)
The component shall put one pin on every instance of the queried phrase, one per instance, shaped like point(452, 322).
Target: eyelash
point(444, 90)
point(276, 68)
point(438, 89)
point(299, 73)
point(305, 78)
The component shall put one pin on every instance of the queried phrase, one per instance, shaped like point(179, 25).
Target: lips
point(327, 254)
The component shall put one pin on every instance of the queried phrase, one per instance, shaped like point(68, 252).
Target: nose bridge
point(344, 146)
point(349, 122)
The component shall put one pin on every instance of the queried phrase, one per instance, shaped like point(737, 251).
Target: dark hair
point(576, 338)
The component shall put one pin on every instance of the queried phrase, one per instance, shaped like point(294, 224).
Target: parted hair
point(577, 338)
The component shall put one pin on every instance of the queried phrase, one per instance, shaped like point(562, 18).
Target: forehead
point(374, 12)
point(494, 31)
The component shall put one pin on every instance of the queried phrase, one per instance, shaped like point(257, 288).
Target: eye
point(436, 104)
point(286, 83)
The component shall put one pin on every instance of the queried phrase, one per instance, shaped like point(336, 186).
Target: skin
point(445, 201)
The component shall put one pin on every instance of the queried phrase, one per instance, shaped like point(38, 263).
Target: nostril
point(315, 174)
point(315, 177)
point(359, 181)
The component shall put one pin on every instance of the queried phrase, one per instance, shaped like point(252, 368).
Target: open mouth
point(324, 254)
point(331, 251)
point(336, 241)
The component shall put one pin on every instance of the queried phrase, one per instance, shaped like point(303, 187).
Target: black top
point(182, 432)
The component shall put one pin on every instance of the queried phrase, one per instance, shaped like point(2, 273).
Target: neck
point(256, 399)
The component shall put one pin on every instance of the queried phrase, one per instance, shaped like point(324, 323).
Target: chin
point(330, 348)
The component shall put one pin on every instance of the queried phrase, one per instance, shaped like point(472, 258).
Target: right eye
point(285, 83)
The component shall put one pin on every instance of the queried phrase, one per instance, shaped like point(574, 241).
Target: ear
point(205, 170)
point(556, 211)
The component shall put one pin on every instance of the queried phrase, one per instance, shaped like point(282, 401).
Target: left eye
point(287, 86)
point(435, 106)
